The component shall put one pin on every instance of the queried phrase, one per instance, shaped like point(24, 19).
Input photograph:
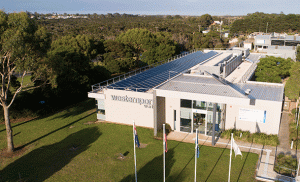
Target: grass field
point(66, 147)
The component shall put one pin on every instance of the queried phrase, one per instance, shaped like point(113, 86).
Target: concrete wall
point(211, 69)
point(161, 112)
point(171, 105)
point(125, 112)
point(273, 115)
point(231, 65)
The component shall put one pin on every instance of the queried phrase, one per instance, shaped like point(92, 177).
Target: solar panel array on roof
point(155, 76)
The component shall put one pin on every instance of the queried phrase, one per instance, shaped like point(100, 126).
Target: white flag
point(236, 148)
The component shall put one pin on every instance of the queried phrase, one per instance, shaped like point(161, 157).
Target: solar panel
point(155, 76)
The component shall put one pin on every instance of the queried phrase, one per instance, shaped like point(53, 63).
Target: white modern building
point(283, 45)
point(207, 90)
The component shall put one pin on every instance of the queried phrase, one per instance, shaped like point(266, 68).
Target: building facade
point(207, 90)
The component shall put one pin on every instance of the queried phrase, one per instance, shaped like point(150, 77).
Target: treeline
point(261, 22)
point(110, 26)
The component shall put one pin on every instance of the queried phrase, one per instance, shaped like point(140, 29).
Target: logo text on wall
point(146, 102)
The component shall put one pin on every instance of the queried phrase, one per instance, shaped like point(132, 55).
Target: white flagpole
point(230, 157)
point(134, 152)
point(164, 143)
point(196, 147)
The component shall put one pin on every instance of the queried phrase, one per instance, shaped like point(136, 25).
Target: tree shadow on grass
point(67, 125)
point(43, 162)
point(71, 111)
point(153, 170)
point(217, 161)
point(77, 108)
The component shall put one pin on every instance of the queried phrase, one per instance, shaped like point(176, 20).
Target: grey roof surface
point(262, 37)
point(263, 91)
point(254, 57)
point(201, 85)
point(212, 86)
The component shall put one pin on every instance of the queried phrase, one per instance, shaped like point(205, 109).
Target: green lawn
point(63, 147)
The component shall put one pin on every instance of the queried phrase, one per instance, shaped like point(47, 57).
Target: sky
point(153, 7)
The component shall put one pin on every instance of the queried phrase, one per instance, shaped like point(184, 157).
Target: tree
point(151, 47)
point(206, 20)
point(292, 86)
point(22, 47)
point(69, 59)
point(118, 57)
point(272, 69)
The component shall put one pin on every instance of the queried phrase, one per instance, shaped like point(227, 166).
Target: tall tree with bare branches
point(22, 46)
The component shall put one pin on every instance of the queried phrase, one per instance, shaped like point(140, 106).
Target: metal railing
point(104, 84)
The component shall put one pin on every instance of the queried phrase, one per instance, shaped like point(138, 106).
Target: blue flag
point(136, 138)
point(197, 145)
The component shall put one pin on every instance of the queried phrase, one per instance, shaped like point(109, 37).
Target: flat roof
point(217, 59)
point(239, 72)
point(211, 85)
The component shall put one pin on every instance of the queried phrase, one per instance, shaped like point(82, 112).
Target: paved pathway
point(284, 133)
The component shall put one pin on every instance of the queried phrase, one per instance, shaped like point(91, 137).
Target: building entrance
point(199, 115)
point(199, 122)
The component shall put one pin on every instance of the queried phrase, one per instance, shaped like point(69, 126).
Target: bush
point(160, 131)
point(259, 138)
point(286, 164)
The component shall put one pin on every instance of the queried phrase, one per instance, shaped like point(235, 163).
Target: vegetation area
point(259, 138)
point(273, 69)
point(286, 165)
point(185, 31)
point(292, 86)
point(69, 146)
point(294, 131)
point(261, 22)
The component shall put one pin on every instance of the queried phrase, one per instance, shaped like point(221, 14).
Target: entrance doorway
point(199, 122)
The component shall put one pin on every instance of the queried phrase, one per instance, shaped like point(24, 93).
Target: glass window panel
point(199, 105)
point(186, 103)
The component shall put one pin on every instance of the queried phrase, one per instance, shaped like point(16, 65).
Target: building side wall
point(125, 112)
point(161, 112)
point(273, 116)
point(171, 105)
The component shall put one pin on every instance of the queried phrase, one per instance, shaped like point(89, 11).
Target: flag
point(136, 138)
point(197, 145)
point(236, 148)
point(166, 146)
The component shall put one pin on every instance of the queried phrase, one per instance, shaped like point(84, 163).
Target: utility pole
point(199, 27)
point(221, 29)
point(267, 27)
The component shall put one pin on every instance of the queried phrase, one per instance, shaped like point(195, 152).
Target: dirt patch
point(20, 120)
point(18, 152)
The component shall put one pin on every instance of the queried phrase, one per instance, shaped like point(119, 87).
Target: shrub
point(260, 138)
point(160, 131)
point(286, 164)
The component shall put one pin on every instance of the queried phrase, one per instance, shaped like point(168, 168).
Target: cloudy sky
point(152, 7)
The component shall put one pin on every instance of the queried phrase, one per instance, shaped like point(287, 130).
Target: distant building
point(283, 44)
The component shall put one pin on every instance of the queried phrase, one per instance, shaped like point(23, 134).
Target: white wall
point(125, 112)
point(171, 105)
point(273, 110)
point(273, 115)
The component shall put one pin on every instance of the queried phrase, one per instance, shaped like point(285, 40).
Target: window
point(186, 103)
point(101, 111)
point(199, 105)
point(174, 119)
